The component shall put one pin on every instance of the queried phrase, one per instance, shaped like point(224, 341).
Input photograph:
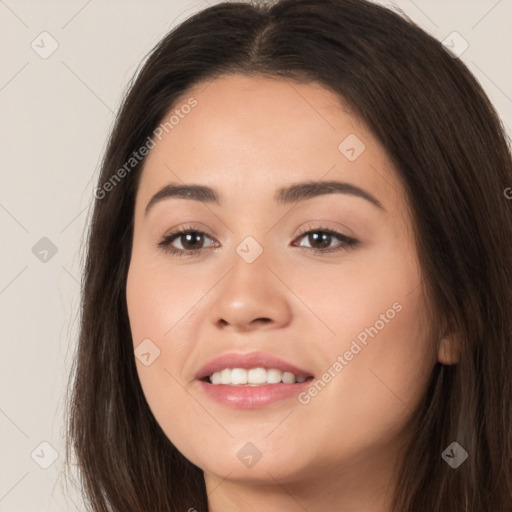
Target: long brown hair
point(450, 152)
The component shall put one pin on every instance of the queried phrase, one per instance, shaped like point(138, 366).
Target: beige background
point(56, 113)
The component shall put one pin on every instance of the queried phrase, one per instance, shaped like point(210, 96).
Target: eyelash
point(165, 244)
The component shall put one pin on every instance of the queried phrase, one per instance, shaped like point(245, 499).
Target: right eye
point(190, 242)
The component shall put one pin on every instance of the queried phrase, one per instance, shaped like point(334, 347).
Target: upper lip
point(247, 361)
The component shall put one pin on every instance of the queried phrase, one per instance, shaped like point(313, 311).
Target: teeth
point(253, 377)
point(238, 376)
point(274, 376)
point(225, 376)
point(288, 378)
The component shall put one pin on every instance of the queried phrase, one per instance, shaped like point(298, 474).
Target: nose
point(250, 297)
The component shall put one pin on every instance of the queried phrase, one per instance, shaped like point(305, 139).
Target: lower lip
point(252, 397)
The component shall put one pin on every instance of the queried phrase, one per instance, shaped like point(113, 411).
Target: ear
point(449, 350)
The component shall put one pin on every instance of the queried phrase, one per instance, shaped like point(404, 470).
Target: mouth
point(251, 368)
point(251, 380)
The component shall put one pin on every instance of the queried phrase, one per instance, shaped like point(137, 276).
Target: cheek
point(377, 353)
point(379, 383)
point(157, 307)
point(158, 298)
point(379, 361)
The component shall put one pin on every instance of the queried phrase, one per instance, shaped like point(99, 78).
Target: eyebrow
point(285, 195)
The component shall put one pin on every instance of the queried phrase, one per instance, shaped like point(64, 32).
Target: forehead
point(260, 108)
point(249, 133)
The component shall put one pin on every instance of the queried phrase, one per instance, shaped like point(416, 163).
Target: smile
point(253, 377)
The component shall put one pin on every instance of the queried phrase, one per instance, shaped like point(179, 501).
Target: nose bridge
point(250, 292)
point(249, 279)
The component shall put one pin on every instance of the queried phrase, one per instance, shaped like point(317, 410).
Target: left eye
point(321, 240)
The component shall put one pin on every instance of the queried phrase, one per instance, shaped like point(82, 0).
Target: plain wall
point(56, 113)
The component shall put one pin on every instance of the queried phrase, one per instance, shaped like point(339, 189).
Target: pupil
point(324, 239)
point(190, 238)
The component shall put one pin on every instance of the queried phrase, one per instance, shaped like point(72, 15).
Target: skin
point(247, 137)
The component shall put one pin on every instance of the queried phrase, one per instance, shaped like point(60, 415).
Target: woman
point(298, 283)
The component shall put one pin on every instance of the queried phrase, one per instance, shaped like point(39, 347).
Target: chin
point(258, 462)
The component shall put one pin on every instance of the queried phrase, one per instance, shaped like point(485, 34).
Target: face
point(292, 282)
